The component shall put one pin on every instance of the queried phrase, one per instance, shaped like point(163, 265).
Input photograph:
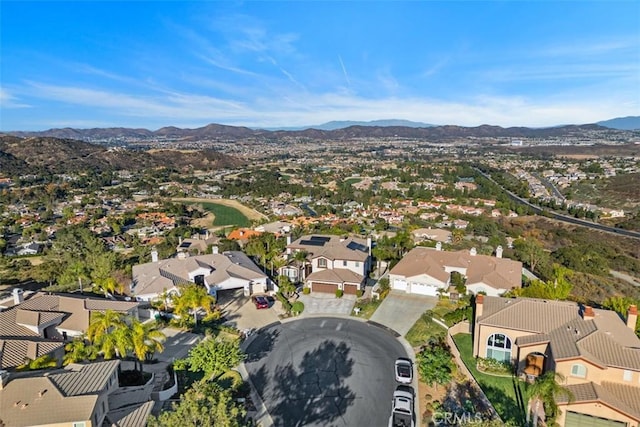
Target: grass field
point(226, 215)
point(504, 393)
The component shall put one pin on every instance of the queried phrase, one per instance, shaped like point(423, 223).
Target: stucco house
point(41, 324)
point(216, 271)
point(332, 263)
point(596, 352)
point(86, 395)
point(427, 271)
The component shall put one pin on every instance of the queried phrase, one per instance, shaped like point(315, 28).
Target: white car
point(402, 407)
point(404, 370)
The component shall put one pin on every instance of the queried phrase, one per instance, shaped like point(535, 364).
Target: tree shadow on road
point(314, 392)
point(261, 345)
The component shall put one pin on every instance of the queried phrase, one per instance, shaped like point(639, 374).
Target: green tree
point(146, 339)
point(300, 257)
point(78, 350)
point(531, 252)
point(286, 286)
point(190, 299)
point(205, 404)
point(109, 333)
point(545, 391)
point(435, 363)
point(214, 357)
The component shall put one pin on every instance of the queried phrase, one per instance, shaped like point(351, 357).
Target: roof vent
point(17, 403)
point(42, 392)
point(577, 332)
point(24, 405)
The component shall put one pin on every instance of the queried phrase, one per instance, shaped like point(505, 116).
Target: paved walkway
point(399, 310)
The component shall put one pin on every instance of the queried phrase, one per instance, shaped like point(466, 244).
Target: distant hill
point(382, 123)
point(19, 156)
point(223, 133)
point(622, 123)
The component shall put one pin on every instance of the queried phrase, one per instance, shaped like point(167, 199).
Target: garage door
point(400, 285)
point(422, 289)
point(324, 287)
point(580, 420)
point(350, 289)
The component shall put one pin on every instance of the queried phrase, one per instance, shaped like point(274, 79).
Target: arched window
point(499, 348)
point(578, 370)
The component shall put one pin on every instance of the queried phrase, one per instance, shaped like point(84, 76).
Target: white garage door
point(400, 285)
point(422, 289)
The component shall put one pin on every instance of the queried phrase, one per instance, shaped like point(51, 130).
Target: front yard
point(504, 393)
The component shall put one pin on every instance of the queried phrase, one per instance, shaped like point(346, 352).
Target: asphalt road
point(325, 372)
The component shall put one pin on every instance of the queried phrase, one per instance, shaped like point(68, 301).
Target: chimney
point(214, 249)
point(369, 244)
point(479, 305)
point(587, 313)
point(4, 379)
point(206, 235)
point(18, 296)
point(182, 255)
point(632, 317)
point(179, 240)
point(473, 252)
point(499, 251)
point(154, 256)
point(288, 239)
point(438, 246)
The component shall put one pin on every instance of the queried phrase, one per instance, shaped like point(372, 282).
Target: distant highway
point(560, 217)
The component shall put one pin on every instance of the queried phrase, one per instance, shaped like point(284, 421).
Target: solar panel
point(311, 243)
point(321, 238)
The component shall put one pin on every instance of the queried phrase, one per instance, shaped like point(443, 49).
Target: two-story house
point(595, 351)
point(79, 395)
point(331, 263)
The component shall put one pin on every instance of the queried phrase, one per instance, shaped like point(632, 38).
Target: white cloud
point(7, 100)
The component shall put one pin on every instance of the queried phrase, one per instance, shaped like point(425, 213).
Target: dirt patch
point(252, 214)
point(426, 396)
point(204, 222)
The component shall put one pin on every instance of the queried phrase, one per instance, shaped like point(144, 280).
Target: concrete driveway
point(399, 310)
point(240, 312)
point(323, 371)
point(319, 303)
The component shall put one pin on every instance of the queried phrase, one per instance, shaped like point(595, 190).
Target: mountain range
point(334, 131)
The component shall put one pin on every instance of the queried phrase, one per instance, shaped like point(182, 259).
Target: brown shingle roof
point(499, 273)
point(14, 352)
point(131, 416)
point(333, 248)
point(527, 314)
point(336, 275)
point(621, 397)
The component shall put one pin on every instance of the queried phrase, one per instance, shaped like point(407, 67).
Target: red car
point(261, 302)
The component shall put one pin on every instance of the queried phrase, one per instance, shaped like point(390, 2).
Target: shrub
point(286, 305)
point(458, 315)
point(306, 290)
point(339, 293)
point(493, 366)
point(297, 307)
point(359, 293)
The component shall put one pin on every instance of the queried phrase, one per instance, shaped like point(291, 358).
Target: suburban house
point(427, 271)
point(40, 325)
point(332, 263)
point(78, 395)
point(216, 271)
point(596, 352)
point(198, 244)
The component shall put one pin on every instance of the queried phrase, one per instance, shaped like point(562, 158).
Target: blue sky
point(279, 63)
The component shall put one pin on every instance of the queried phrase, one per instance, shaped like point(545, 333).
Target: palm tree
point(146, 339)
point(44, 361)
point(108, 333)
point(78, 351)
point(301, 258)
point(190, 298)
point(545, 390)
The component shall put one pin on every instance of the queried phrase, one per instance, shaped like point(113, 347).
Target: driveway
point(240, 312)
point(319, 303)
point(323, 371)
point(399, 310)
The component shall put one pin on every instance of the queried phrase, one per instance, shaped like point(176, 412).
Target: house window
point(81, 424)
point(344, 263)
point(322, 263)
point(499, 348)
point(578, 370)
point(627, 375)
point(357, 263)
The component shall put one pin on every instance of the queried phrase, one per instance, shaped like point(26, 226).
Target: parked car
point(404, 370)
point(261, 302)
point(402, 407)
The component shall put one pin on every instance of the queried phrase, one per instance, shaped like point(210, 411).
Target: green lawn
point(351, 181)
point(501, 391)
point(226, 215)
point(367, 308)
point(422, 330)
